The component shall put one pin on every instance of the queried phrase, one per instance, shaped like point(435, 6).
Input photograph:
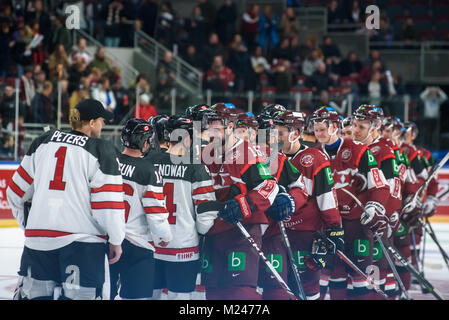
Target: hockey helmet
point(327, 114)
point(248, 120)
point(369, 112)
point(224, 112)
point(177, 122)
point(291, 119)
point(196, 112)
point(158, 123)
point(135, 133)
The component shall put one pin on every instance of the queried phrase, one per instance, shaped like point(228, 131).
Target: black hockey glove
point(335, 239)
point(236, 209)
point(282, 207)
point(318, 258)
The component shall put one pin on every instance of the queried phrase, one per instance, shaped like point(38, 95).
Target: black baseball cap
point(93, 109)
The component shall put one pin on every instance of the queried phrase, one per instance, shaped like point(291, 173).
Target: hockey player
point(346, 128)
point(321, 209)
point(367, 124)
point(246, 127)
point(145, 215)
point(243, 182)
point(308, 135)
point(190, 201)
point(157, 124)
point(355, 169)
point(74, 182)
point(290, 179)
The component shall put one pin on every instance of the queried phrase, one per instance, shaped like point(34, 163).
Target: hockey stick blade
point(264, 258)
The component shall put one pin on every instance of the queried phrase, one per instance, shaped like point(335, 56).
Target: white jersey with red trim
point(76, 191)
point(188, 191)
point(145, 214)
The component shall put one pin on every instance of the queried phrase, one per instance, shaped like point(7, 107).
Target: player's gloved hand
point(318, 257)
point(393, 222)
point(236, 209)
point(282, 207)
point(411, 213)
point(374, 218)
point(335, 238)
point(430, 205)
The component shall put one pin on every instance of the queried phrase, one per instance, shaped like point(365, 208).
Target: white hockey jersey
point(189, 191)
point(145, 212)
point(76, 191)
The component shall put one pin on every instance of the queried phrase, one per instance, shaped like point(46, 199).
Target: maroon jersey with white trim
point(243, 166)
point(426, 157)
point(76, 191)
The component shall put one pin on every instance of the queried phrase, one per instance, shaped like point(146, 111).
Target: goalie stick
point(264, 258)
point(404, 261)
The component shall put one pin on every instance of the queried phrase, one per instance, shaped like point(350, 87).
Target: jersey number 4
point(57, 183)
point(169, 189)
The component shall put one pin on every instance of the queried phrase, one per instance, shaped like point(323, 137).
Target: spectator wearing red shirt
point(219, 77)
point(145, 110)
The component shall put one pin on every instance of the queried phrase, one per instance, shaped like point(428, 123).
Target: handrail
point(186, 75)
point(127, 72)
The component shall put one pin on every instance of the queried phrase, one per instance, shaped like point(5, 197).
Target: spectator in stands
point(122, 100)
point(283, 81)
point(139, 86)
point(40, 80)
point(60, 35)
point(112, 30)
point(8, 16)
point(37, 13)
point(325, 101)
point(104, 94)
point(249, 26)
point(268, 29)
point(76, 72)
point(59, 56)
point(432, 98)
point(295, 51)
point(194, 59)
point(334, 14)
point(259, 62)
point(351, 66)
point(240, 63)
point(409, 31)
point(311, 63)
point(65, 100)
point(225, 21)
point(58, 73)
point(282, 51)
point(27, 87)
point(8, 108)
point(127, 15)
point(163, 93)
point(165, 67)
point(145, 110)
point(101, 61)
point(219, 77)
point(78, 95)
point(148, 14)
point(289, 23)
point(376, 88)
point(385, 32)
point(355, 15)
point(214, 48)
point(330, 50)
point(21, 45)
point(80, 52)
point(95, 76)
point(319, 80)
point(367, 71)
point(6, 43)
point(42, 109)
point(209, 11)
point(197, 28)
point(374, 55)
point(165, 25)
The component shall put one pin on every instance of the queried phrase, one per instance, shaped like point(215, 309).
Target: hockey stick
point(423, 188)
point(427, 226)
point(301, 294)
point(387, 256)
point(419, 266)
point(264, 258)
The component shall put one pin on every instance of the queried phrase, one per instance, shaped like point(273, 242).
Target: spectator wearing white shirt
point(105, 95)
point(432, 97)
point(80, 51)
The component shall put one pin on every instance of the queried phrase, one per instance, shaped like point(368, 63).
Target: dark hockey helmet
point(248, 120)
point(196, 112)
point(325, 113)
point(265, 122)
point(224, 112)
point(369, 112)
point(291, 119)
point(135, 133)
point(347, 122)
point(158, 123)
point(177, 122)
point(271, 110)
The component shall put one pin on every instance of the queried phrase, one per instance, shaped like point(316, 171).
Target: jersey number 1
point(171, 207)
point(57, 183)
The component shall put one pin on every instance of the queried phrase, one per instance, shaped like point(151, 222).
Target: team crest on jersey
point(375, 150)
point(307, 160)
point(346, 154)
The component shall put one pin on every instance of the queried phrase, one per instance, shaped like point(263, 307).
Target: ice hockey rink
point(435, 270)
